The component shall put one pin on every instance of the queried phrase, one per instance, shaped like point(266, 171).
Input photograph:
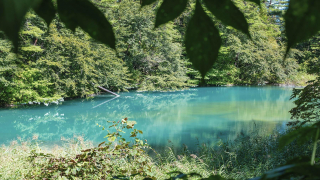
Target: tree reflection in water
point(208, 114)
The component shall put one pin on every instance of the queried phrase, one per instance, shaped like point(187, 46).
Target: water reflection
point(204, 113)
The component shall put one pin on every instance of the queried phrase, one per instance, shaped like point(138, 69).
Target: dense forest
point(54, 63)
point(159, 46)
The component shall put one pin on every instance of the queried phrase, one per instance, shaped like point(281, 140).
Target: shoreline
point(135, 89)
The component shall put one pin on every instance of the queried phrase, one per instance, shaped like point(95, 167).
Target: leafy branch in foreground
point(302, 21)
point(307, 103)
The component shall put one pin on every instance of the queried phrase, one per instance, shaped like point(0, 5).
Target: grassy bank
point(246, 157)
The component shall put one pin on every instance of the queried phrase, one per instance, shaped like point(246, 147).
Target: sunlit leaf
point(228, 13)
point(46, 10)
point(112, 138)
point(147, 2)
point(12, 13)
point(202, 41)
point(302, 20)
point(131, 123)
point(169, 10)
point(84, 14)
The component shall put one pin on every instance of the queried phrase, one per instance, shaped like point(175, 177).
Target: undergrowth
point(246, 157)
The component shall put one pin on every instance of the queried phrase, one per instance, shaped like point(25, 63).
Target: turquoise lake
point(207, 114)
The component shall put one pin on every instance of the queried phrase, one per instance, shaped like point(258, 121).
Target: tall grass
point(246, 157)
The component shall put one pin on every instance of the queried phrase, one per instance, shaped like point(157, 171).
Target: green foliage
point(309, 59)
point(301, 166)
point(58, 63)
point(247, 157)
point(255, 1)
point(46, 10)
point(12, 14)
point(169, 10)
point(82, 13)
point(101, 162)
point(55, 63)
point(260, 60)
point(202, 57)
point(235, 17)
point(301, 21)
point(147, 2)
point(152, 56)
point(307, 102)
point(301, 135)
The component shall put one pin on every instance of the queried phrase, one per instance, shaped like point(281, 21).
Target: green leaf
point(112, 138)
point(302, 135)
point(46, 10)
point(147, 2)
point(67, 171)
point(255, 1)
point(12, 13)
point(169, 10)
point(131, 123)
point(74, 171)
point(202, 41)
point(228, 13)
point(84, 14)
point(302, 21)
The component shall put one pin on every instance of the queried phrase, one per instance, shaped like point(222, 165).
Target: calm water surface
point(207, 114)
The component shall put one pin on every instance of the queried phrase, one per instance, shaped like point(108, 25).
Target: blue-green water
point(208, 114)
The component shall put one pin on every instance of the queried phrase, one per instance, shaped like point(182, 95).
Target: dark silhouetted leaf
point(255, 1)
point(169, 10)
point(84, 14)
point(67, 14)
point(302, 135)
point(302, 20)
point(194, 174)
point(182, 175)
point(46, 10)
point(202, 41)
point(299, 134)
point(12, 13)
point(300, 167)
point(228, 13)
point(214, 177)
point(175, 172)
point(147, 2)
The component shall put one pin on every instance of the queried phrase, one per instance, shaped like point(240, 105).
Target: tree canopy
point(301, 22)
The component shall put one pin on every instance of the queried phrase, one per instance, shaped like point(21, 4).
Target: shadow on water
point(207, 114)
